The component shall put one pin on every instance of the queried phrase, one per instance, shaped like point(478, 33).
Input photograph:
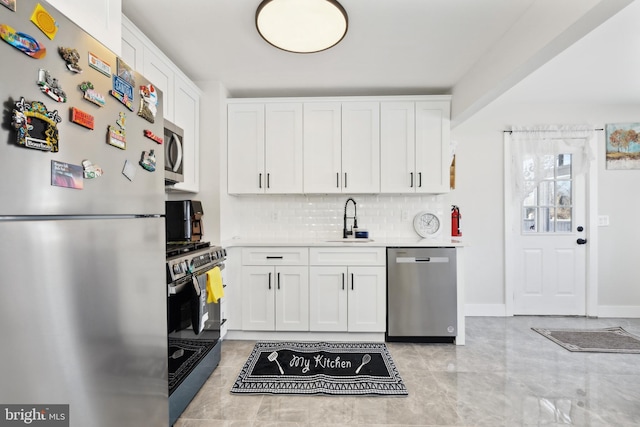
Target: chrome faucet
point(346, 232)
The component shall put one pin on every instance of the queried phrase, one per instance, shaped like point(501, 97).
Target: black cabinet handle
point(278, 280)
point(419, 179)
point(337, 179)
point(260, 180)
point(345, 180)
point(343, 281)
point(268, 183)
point(351, 281)
point(411, 173)
point(269, 280)
point(274, 257)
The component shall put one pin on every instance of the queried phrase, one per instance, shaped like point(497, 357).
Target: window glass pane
point(564, 220)
point(531, 199)
point(564, 166)
point(563, 193)
point(549, 166)
point(529, 220)
point(547, 220)
point(546, 193)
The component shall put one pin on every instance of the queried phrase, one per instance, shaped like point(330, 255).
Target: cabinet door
point(367, 299)
point(186, 101)
point(328, 299)
point(258, 293)
point(322, 147)
point(160, 74)
point(433, 146)
point(132, 46)
point(283, 148)
point(397, 147)
point(245, 148)
point(292, 298)
point(361, 147)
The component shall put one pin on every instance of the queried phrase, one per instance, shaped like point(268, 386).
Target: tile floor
point(506, 375)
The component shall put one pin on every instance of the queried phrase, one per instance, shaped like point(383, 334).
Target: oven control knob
point(176, 268)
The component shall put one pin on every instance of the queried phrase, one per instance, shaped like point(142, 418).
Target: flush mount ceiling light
point(302, 26)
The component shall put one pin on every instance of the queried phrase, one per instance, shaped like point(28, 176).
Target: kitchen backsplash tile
point(321, 216)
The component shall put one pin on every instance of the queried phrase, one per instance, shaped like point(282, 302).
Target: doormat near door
point(607, 340)
point(320, 368)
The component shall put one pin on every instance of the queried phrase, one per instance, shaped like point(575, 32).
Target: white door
point(367, 299)
point(292, 298)
point(432, 146)
point(258, 292)
point(322, 151)
point(245, 148)
point(397, 147)
point(546, 250)
point(360, 147)
point(328, 299)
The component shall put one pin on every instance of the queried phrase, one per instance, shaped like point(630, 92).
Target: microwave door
point(174, 153)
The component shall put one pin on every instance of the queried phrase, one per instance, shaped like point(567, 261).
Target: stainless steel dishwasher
point(421, 295)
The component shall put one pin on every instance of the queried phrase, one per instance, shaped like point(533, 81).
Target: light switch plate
point(603, 221)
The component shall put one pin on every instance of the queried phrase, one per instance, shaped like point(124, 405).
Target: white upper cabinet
point(245, 148)
point(100, 18)
point(415, 146)
point(180, 97)
point(283, 148)
point(264, 148)
point(322, 147)
point(361, 147)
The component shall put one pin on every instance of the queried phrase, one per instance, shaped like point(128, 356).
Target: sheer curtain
point(532, 148)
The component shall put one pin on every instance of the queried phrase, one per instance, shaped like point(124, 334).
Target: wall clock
point(427, 224)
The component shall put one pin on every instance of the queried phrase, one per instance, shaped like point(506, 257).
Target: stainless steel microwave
point(173, 153)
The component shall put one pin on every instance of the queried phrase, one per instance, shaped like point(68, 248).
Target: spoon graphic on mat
point(274, 356)
point(365, 359)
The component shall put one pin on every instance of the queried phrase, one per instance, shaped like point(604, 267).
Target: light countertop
point(351, 242)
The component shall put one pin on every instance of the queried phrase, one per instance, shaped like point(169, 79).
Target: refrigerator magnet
point(91, 171)
point(66, 175)
point(9, 4)
point(81, 118)
point(44, 21)
point(37, 127)
point(148, 160)
point(71, 57)
point(148, 103)
point(129, 170)
point(23, 42)
point(50, 86)
point(116, 137)
point(99, 65)
point(152, 136)
point(123, 83)
point(91, 94)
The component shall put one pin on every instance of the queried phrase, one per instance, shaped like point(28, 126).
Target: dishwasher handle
point(422, 260)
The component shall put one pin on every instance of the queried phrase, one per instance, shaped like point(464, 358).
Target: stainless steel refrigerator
point(82, 270)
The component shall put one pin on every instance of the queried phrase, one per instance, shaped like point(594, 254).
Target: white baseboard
point(618, 311)
point(485, 310)
point(305, 336)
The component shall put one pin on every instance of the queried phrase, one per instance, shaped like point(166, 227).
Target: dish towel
point(215, 290)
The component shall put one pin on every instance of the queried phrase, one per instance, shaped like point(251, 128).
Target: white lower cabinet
point(347, 289)
point(347, 299)
point(275, 296)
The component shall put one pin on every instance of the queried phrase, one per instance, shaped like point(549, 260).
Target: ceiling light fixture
point(302, 26)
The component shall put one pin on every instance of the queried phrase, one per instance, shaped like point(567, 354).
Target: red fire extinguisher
point(455, 221)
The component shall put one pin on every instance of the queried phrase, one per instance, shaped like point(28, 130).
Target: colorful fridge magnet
point(116, 137)
point(10, 4)
point(44, 21)
point(50, 86)
point(122, 91)
point(129, 170)
point(71, 57)
point(66, 175)
point(148, 103)
point(99, 65)
point(152, 136)
point(92, 95)
point(91, 171)
point(37, 127)
point(148, 160)
point(23, 42)
point(81, 118)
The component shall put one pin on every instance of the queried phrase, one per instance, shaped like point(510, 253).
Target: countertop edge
point(375, 243)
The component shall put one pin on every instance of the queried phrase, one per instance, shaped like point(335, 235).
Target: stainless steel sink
point(350, 240)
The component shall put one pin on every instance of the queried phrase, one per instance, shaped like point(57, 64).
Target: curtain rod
point(547, 130)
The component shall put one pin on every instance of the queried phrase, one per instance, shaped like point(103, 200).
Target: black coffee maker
point(184, 220)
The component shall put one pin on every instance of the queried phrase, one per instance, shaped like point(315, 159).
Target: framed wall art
point(623, 145)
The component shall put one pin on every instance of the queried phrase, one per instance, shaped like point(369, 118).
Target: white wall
point(479, 193)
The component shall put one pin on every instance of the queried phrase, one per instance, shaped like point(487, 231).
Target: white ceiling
point(473, 49)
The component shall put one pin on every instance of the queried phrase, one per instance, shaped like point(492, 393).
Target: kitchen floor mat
point(606, 340)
